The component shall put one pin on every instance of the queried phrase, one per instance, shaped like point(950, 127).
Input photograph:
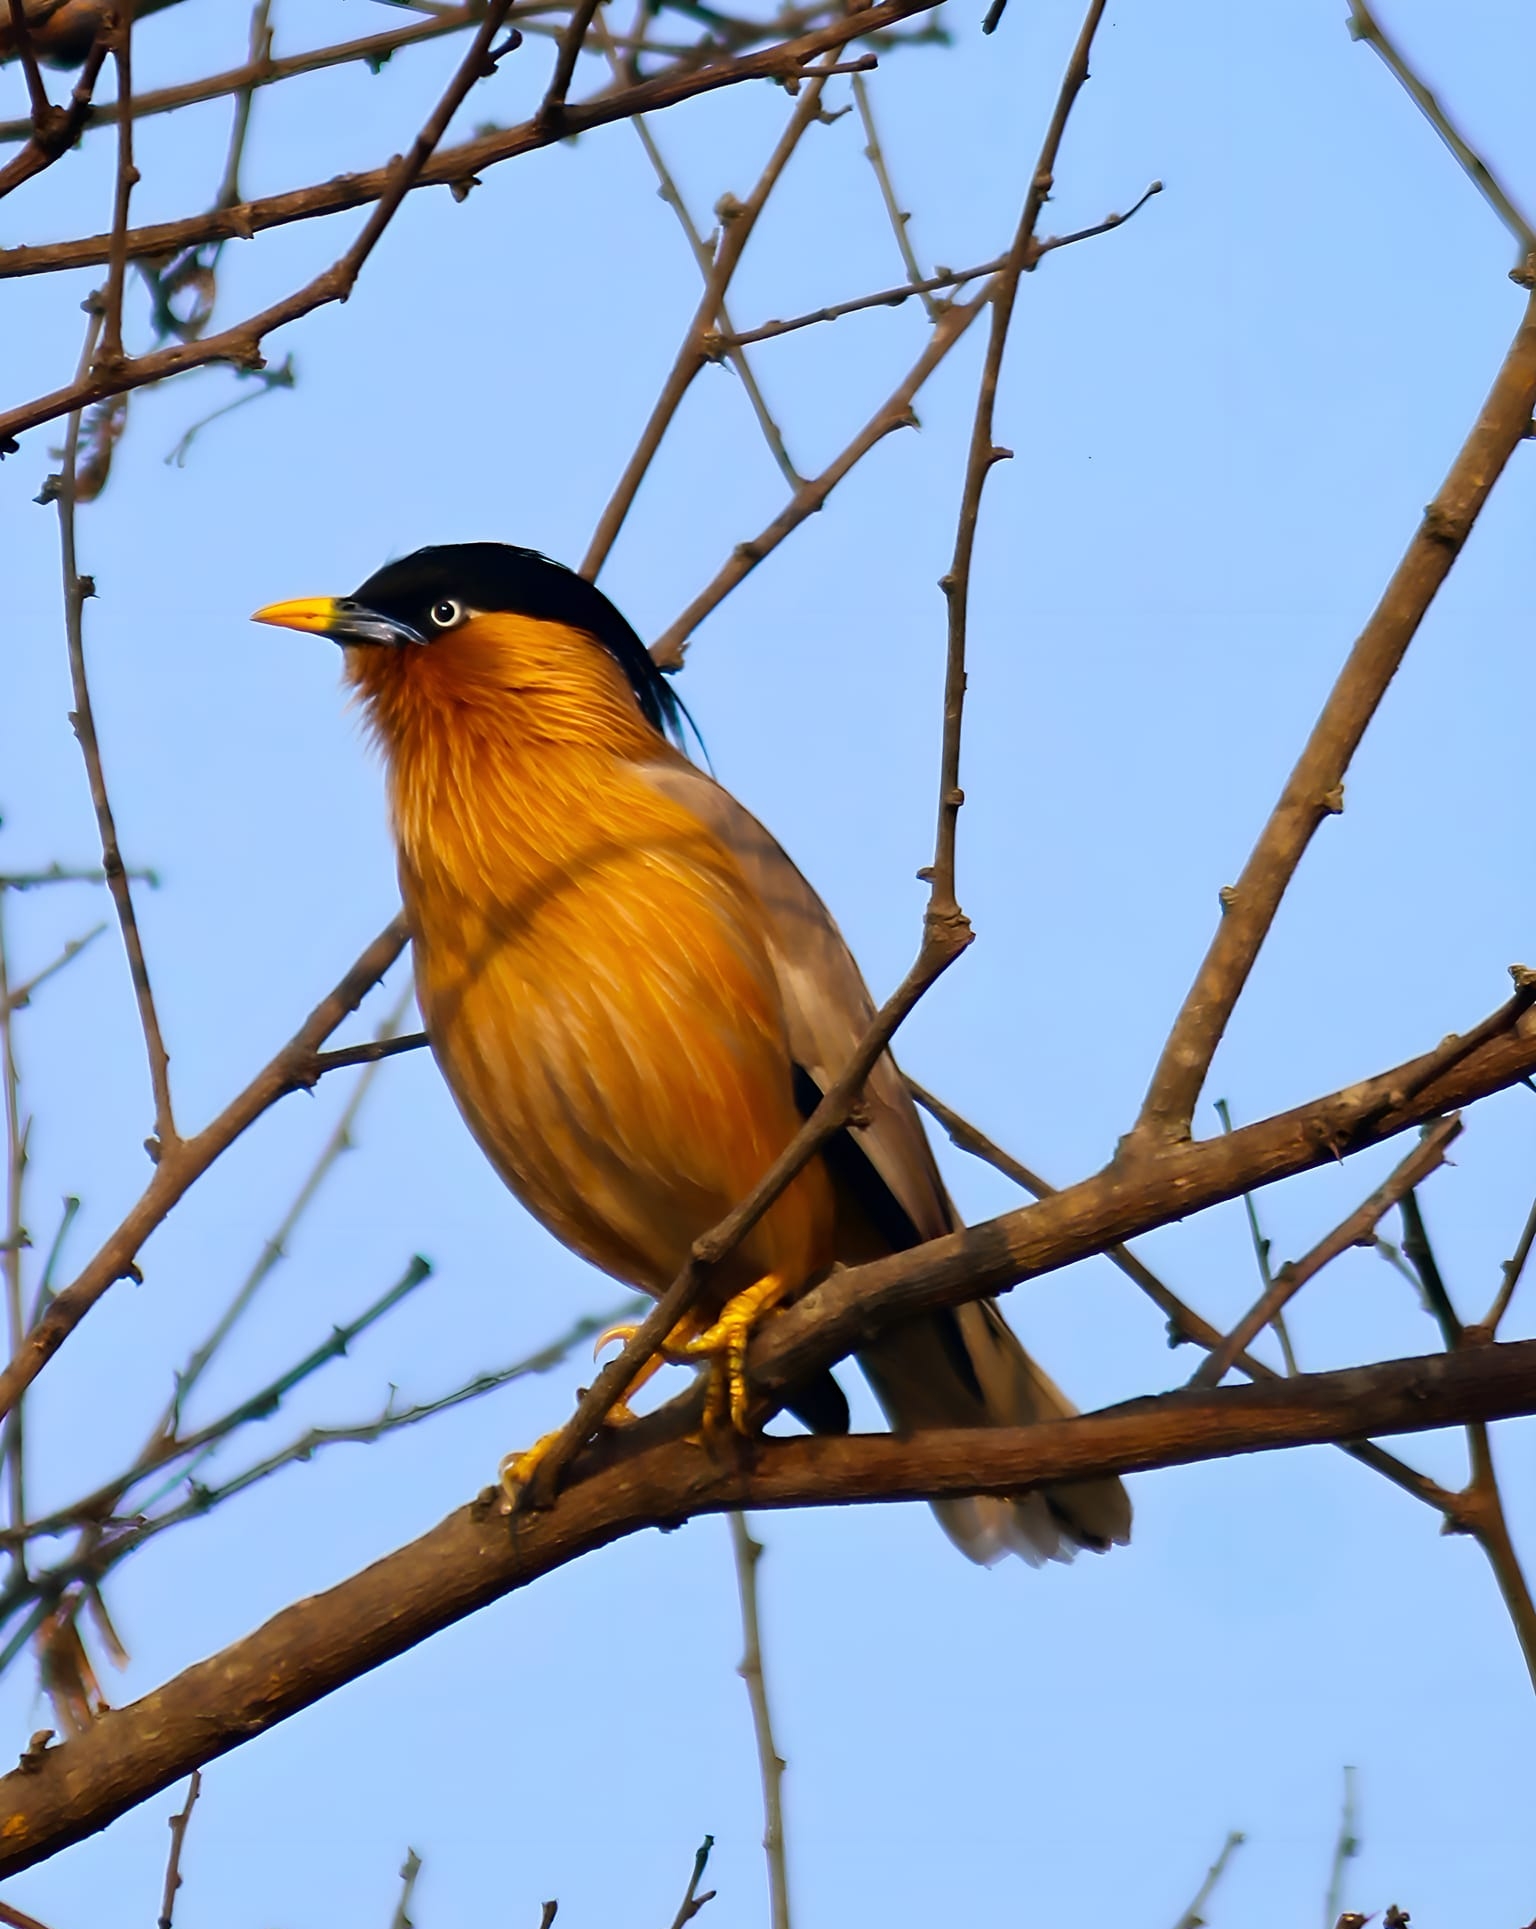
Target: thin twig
point(747, 1552)
point(204, 1497)
point(1261, 1255)
point(692, 1901)
point(179, 1823)
point(943, 906)
point(1315, 788)
point(37, 92)
point(77, 589)
point(121, 35)
point(1345, 1848)
point(1184, 1323)
point(455, 167)
point(241, 345)
point(23, 994)
point(898, 217)
point(894, 413)
point(338, 1142)
point(62, 127)
point(945, 278)
point(14, 1237)
point(409, 1870)
point(1510, 1273)
point(1364, 26)
point(703, 254)
point(1480, 1511)
point(70, 874)
point(1192, 1917)
point(882, 298)
point(552, 109)
point(15, 1918)
point(290, 1070)
point(1354, 1230)
point(738, 219)
point(229, 195)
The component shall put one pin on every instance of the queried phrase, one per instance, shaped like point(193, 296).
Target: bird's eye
point(446, 613)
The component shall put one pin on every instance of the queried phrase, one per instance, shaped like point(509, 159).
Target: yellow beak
point(316, 613)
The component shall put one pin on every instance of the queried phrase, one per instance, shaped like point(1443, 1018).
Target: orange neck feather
point(509, 742)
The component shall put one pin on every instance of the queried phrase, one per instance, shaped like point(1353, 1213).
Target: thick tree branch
point(1315, 788)
point(1137, 1192)
point(476, 1556)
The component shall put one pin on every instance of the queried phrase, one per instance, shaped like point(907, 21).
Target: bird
point(636, 998)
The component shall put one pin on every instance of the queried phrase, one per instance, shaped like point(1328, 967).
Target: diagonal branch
point(77, 590)
point(956, 582)
point(1364, 26)
point(293, 1069)
point(1315, 788)
point(738, 219)
point(241, 345)
point(472, 1558)
point(1355, 1230)
point(1184, 1323)
point(457, 167)
point(893, 414)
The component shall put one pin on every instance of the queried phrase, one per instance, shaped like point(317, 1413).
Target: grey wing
point(826, 1002)
point(963, 1367)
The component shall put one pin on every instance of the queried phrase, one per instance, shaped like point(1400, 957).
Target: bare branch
point(472, 1558)
point(77, 589)
point(738, 219)
point(291, 1070)
point(894, 413)
point(703, 254)
point(898, 217)
point(1344, 1850)
point(456, 166)
point(179, 1823)
point(120, 33)
point(692, 1901)
point(1315, 788)
point(943, 906)
point(1126, 1199)
point(747, 1553)
point(551, 112)
point(1364, 26)
point(1192, 1917)
point(1355, 1230)
point(1184, 1323)
point(409, 1870)
point(60, 130)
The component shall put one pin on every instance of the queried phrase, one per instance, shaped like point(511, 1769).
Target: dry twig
point(747, 1552)
point(178, 1826)
point(1315, 788)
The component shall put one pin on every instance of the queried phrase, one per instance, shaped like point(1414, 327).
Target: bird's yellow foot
point(621, 1413)
point(726, 1341)
point(518, 1469)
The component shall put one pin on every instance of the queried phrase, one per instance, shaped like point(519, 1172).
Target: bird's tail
point(966, 1369)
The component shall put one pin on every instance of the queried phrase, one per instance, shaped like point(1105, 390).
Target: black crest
point(521, 582)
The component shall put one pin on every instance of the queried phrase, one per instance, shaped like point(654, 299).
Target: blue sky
point(1226, 418)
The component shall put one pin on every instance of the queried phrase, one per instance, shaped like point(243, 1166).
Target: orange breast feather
point(590, 961)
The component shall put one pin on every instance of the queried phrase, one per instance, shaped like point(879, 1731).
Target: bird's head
point(488, 632)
